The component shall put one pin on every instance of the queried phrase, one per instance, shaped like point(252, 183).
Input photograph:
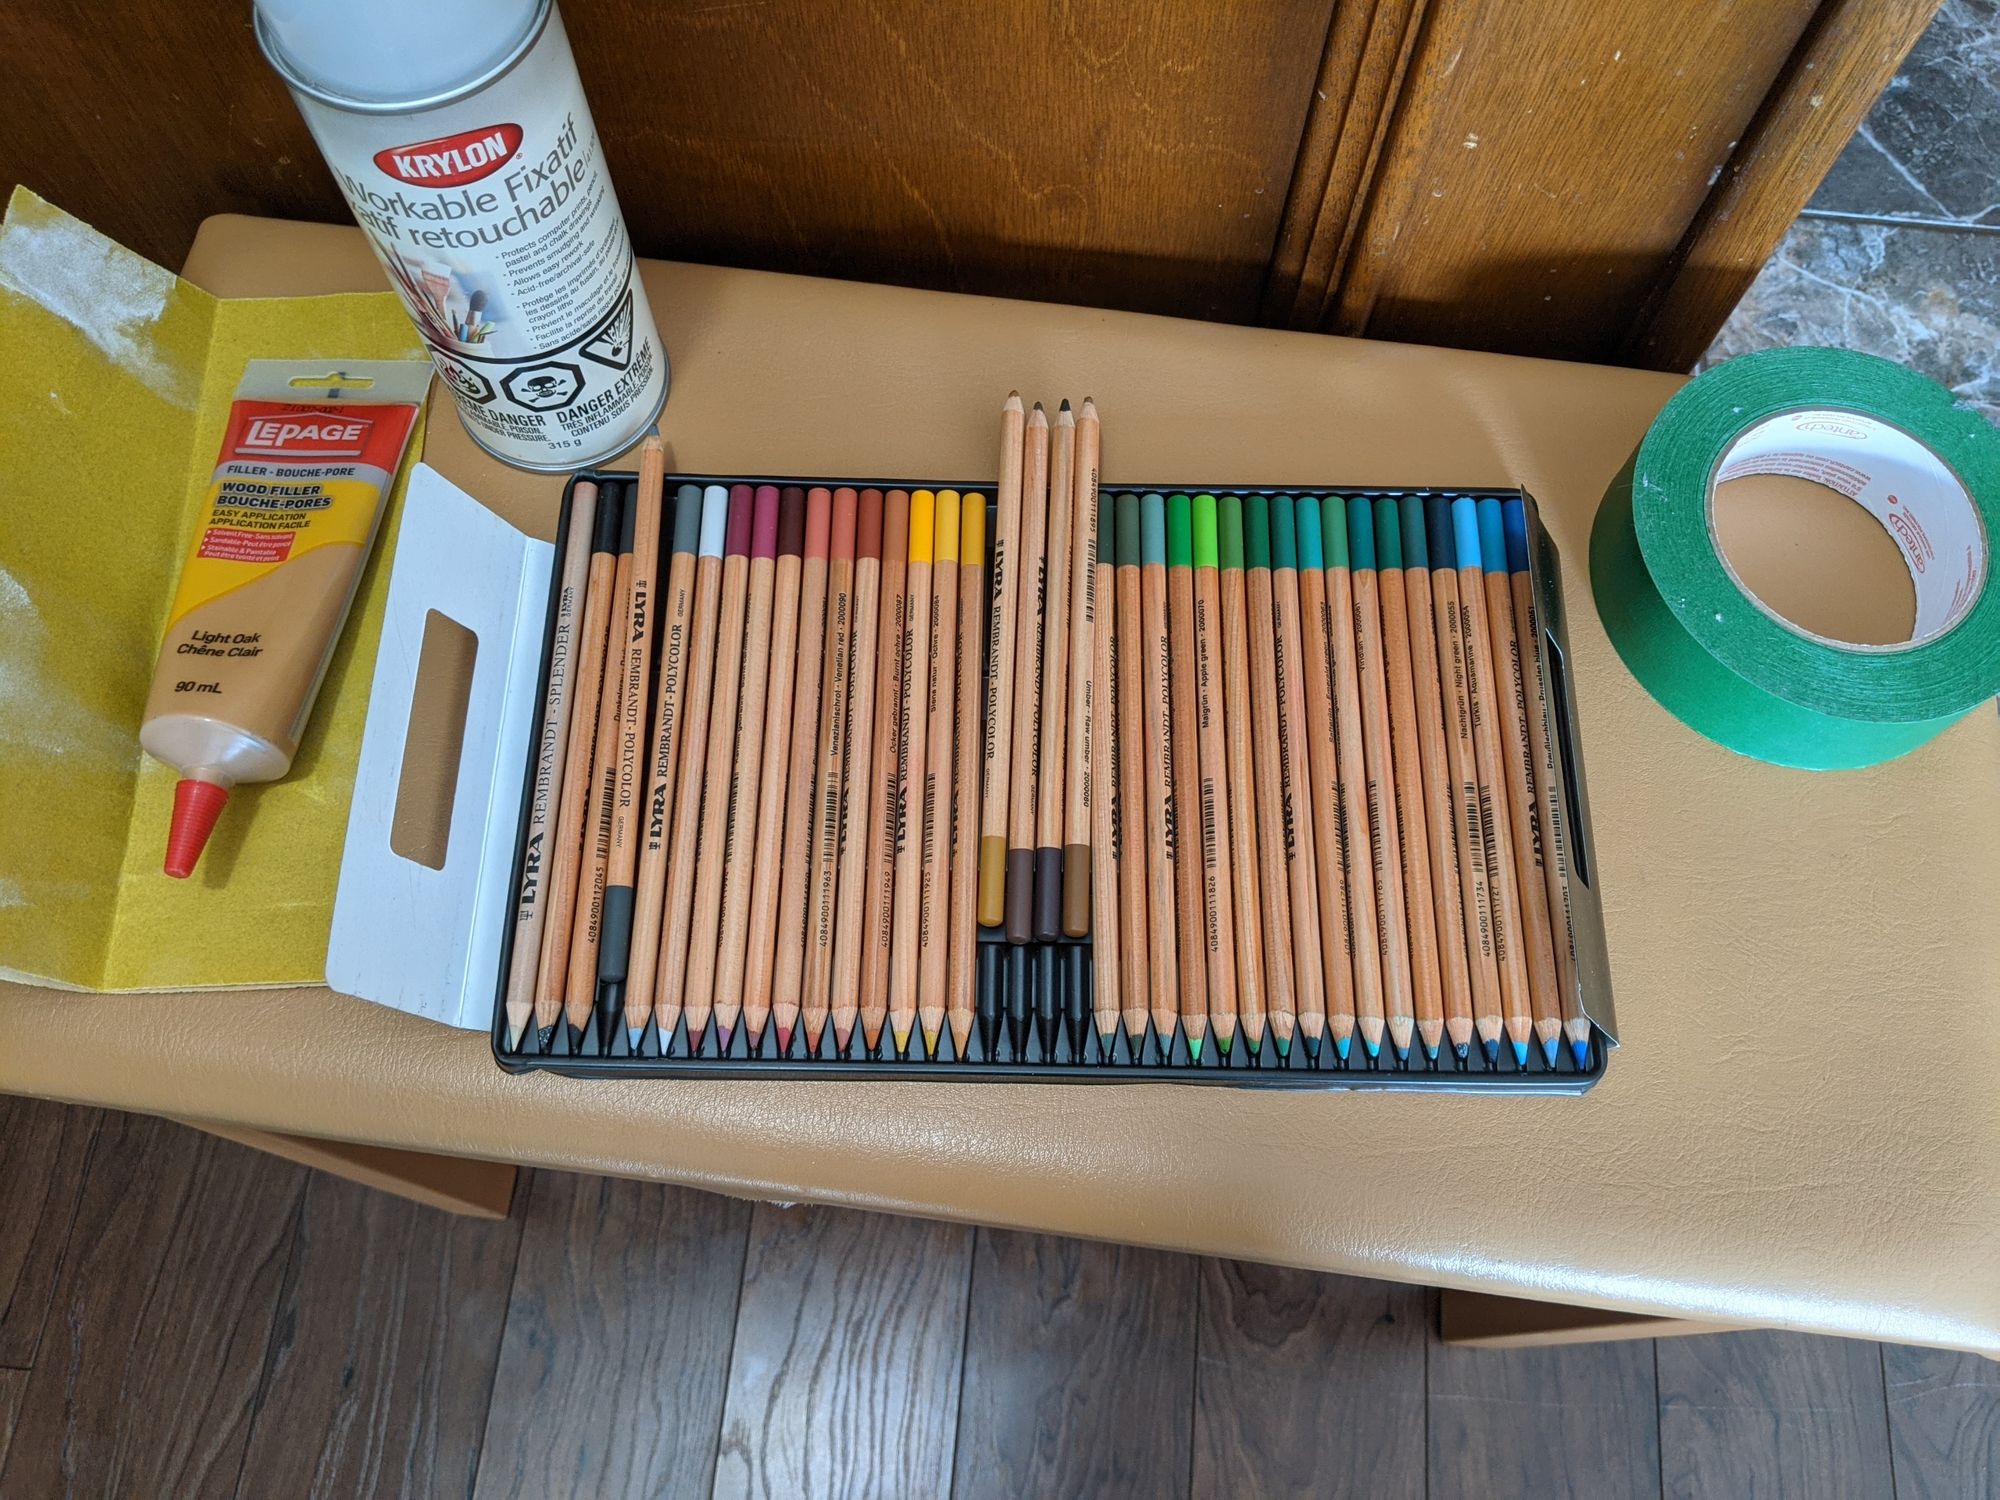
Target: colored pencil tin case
point(1034, 1000)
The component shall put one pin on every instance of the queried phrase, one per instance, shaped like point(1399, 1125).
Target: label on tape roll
point(1726, 663)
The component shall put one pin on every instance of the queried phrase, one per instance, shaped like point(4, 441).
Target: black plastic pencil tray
point(1033, 988)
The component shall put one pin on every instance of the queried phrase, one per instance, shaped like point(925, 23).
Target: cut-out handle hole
point(421, 829)
point(333, 380)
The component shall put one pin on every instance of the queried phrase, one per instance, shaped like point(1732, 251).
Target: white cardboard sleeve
point(418, 939)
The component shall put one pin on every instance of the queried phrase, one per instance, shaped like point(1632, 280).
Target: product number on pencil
point(189, 685)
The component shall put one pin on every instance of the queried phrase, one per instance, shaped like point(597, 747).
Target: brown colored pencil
point(677, 606)
point(789, 966)
point(1361, 871)
point(1004, 586)
point(830, 780)
point(587, 923)
point(1079, 786)
point(933, 808)
point(1309, 984)
point(1379, 763)
point(961, 1003)
point(768, 852)
point(1162, 853)
point(1022, 806)
point(1481, 691)
point(1238, 724)
point(1184, 784)
point(1475, 901)
point(596, 524)
point(670, 988)
point(1317, 755)
point(1100, 731)
point(1052, 747)
point(1273, 874)
point(551, 753)
point(1448, 913)
point(874, 932)
point(1218, 906)
point(912, 729)
point(869, 720)
point(1135, 979)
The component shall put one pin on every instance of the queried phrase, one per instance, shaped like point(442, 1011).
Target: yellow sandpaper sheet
point(115, 383)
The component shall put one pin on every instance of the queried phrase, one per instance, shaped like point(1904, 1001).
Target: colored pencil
point(1361, 873)
point(875, 930)
point(788, 983)
point(1273, 874)
point(1003, 584)
point(1475, 901)
point(830, 780)
point(1379, 764)
point(961, 999)
point(1440, 827)
point(1315, 756)
point(740, 840)
point(1295, 769)
point(1217, 907)
point(634, 666)
point(596, 524)
point(1052, 748)
point(1238, 725)
point(1022, 806)
point(1548, 779)
point(1517, 750)
point(1184, 783)
point(1162, 854)
point(551, 750)
point(912, 730)
point(712, 870)
point(934, 802)
point(1481, 690)
point(587, 924)
point(1100, 730)
point(1080, 787)
point(1135, 978)
point(677, 606)
point(871, 721)
point(670, 987)
point(769, 848)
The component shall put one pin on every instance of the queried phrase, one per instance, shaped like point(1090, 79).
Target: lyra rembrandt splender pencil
point(961, 997)
point(1548, 782)
point(551, 752)
point(1481, 689)
point(1101, 730)
point(934, 808)
point(912, 728)
point(1475, 901)
point(1412, 837)
point(1315, 754)
point(1273, 876)
point(1021, 797)
point(882, 657)
point(1379, 788)
point(997, 724)
point(1135, 978)
point(676, 612)
point(587, 923)
point(830, 780)
point(1163, 996)
point(1052, 751)
point(1080, 788)
point(795, 869)
point(1218, 907)
point(1295, 765)
point(1358, 868)
point(1237, 723)
point(1439, 824)
point(768, 849)
point(739, 843)
point(1184, 783)
point(1517, 751)
point(871, 732)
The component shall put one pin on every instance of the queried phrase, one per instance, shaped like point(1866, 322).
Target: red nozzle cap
point(197, 804)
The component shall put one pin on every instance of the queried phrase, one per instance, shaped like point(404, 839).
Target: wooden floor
point(184, 1317)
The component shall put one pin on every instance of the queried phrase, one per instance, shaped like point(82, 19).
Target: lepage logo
point(306, 434)
point(452, 160)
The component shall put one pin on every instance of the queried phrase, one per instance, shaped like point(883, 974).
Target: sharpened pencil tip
point(1374, 1048)
point(1194, 1042)
point(1283, 1044)
point(1580, 1050)
point(1492, 1049)
point(1520, 1054)
point(901, 1037)
point(1222, 1044)
point(1342, 1045)
point(722, 1038)
point(545, 1038)
point(635, 1036)
point(695, 1034)
point(1464, 1051)
point(930, 1041)
point(784, 1040)
point(1551, 1050)
point(576, 1039)
point(1312, 1048)
point(842, 1035)
point(1255, 1044)
point(514, 1036)
point(1431, 1051)
point(1403, 1053)
point(1065, 404)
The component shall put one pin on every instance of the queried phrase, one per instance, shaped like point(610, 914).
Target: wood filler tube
point(307, 459)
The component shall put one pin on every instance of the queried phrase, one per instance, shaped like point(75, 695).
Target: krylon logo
point(306, 434)
point(452, 160)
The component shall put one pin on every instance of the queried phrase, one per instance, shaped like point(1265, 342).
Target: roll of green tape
point(1720, 660)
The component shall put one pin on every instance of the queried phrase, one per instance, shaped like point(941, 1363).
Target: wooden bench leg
point(1481, 1321)
point(456, 1184)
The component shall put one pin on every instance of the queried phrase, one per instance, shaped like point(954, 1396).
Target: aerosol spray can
point(458, 131)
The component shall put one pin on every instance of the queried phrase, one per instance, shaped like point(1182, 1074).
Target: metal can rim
point(298, 83)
